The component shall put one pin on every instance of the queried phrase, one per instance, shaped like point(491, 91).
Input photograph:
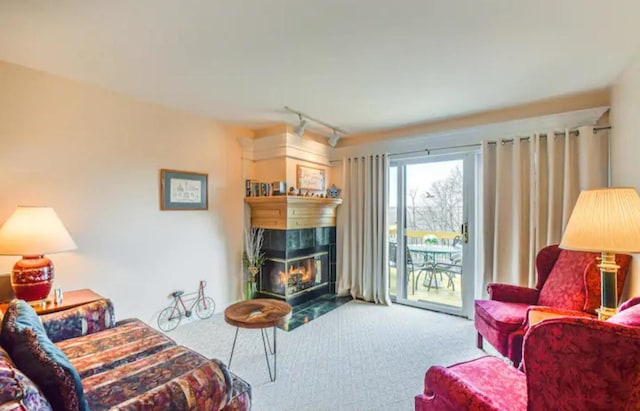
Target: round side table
point(259, 313)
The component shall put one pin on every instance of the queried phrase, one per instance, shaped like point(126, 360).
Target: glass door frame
point(468, 279)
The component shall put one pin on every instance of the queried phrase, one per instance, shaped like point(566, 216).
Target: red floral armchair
point(568, 283)
point(569, 363)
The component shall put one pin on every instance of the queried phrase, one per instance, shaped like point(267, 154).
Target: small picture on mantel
point(183, 190)
point(310, 178)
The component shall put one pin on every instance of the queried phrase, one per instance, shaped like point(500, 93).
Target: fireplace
point(289, 278)
point(300, 264)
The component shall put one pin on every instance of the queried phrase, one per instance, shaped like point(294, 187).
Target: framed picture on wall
point(183, 190)
point(310, 178)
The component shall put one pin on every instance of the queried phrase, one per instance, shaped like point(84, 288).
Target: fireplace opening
point(290, 277)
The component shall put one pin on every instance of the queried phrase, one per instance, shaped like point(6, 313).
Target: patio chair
point(428, 270)
point(411, 265)
point(450, 270)
point(420, 264)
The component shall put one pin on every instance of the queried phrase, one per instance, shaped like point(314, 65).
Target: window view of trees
point(438, 207)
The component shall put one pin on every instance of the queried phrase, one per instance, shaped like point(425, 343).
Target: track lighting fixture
point(301, 126)
point(333, 140)
point(304, 121)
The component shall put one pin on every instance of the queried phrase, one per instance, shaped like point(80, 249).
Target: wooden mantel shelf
point(290, 212)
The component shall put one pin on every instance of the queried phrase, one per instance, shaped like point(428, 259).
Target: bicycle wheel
point(169, 318)
point(205, 307)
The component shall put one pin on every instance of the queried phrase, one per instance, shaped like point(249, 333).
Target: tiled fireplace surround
point(293, 244)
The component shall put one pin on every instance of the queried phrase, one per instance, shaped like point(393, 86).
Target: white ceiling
point(360, 65)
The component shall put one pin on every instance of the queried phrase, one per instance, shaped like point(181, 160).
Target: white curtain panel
point(363, 268)
point(529, 190)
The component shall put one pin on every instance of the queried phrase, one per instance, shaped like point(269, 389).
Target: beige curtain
point(362, 262)
point(529, 188)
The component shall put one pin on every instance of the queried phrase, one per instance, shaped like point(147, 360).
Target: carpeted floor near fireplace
point(357, 357)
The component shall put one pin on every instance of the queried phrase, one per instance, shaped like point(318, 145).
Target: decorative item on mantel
point(333, 191)
point(253, 258)
point(311, 178)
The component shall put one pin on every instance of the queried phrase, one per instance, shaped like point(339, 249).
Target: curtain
point(529, 189)
point(364, 272)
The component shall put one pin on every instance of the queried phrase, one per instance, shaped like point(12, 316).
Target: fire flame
point(305, 275)
point(282, 278)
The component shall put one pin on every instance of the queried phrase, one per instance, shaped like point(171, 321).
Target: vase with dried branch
point(253, 258)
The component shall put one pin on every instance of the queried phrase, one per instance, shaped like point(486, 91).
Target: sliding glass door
point(430, 252)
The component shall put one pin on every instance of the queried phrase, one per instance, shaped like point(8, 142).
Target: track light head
point(301, 127)
point(304, 120)
point(333, 140)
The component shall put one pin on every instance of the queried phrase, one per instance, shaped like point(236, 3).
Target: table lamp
point(32, 232)
point(607, 221)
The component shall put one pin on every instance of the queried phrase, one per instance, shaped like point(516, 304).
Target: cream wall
point(625, 144)
point(95, 156)
point(271, 170)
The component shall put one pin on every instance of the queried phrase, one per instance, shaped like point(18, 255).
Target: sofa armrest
point(512, 293)
point(78, 321)
point(604, 357)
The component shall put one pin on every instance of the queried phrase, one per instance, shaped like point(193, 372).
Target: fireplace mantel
point(292, 212)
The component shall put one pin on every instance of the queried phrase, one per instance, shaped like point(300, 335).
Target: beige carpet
point(357, 357)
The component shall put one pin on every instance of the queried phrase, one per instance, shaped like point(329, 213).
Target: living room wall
point(625, 144)
point(94, 156)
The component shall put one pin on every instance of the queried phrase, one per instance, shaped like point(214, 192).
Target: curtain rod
point(542, 135)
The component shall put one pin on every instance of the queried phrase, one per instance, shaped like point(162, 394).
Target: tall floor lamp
point(607, 221)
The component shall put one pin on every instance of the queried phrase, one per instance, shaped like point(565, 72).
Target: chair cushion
point(630, 303)
point(503, 316)
point(629, 316)
point(565, 286)
point(23, 336)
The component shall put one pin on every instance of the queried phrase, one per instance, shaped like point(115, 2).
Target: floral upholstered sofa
point(81, 359)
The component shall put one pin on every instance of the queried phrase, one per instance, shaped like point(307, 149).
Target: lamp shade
point(34, 231)
point(604, 220)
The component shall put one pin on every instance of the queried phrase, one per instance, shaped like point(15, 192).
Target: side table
point(259, 313)
point(70, 299)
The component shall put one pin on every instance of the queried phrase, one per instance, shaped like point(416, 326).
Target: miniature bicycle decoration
point(171, 316)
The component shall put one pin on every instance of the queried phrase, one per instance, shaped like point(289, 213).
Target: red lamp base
point(32, 278)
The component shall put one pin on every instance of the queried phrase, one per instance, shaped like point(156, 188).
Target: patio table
point(432, 257)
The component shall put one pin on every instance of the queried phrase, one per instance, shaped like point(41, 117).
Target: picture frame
point(183, 190)
point(311, 178)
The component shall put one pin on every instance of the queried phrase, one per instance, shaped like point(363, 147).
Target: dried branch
point(253, 257)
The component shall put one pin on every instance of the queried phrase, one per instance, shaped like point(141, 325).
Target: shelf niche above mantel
point(291, 212)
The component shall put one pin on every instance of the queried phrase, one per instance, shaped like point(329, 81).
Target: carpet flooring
point(359, 356)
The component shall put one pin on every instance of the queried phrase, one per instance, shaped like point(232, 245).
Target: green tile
point(310, 310)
